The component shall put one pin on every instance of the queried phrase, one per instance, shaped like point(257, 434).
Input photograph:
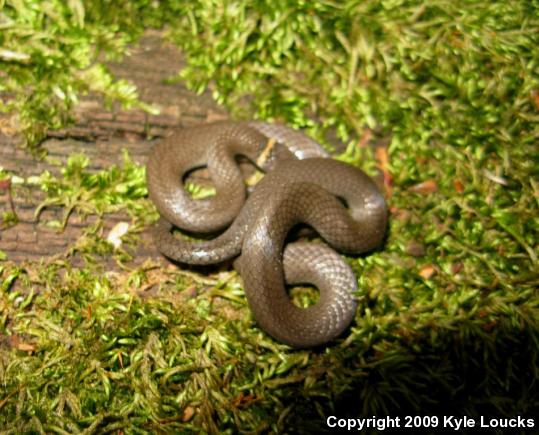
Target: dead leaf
point(534, 94)
point(425, 187)
point(187, 413)
point(456, 268)
point(21, 345)
point(382, 158)
point(427, 271)
point(116, 233)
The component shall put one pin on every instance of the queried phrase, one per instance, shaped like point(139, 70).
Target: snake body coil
point(302, 187)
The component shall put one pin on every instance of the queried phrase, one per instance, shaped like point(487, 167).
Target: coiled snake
point(302, 185)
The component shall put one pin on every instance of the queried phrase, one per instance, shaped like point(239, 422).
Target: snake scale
point(302, 185)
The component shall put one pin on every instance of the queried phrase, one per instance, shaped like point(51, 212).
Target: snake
point(302, 186)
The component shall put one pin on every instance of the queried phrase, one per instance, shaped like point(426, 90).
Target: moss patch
point(448, 322)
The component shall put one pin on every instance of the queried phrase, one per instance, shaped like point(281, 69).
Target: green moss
point(448, 319)
point(50, 55)
point(106, 191)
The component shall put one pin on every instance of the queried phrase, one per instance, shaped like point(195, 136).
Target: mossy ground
point(448, 322)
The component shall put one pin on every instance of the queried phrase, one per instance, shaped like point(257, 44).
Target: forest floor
point(100, 334)
point(101, 135)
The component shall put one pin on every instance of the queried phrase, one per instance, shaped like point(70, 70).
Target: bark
point(101, 134)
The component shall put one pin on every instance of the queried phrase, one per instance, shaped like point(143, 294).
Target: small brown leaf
point(244, 399)
point(427, 271)
point(187, 413)
point(456, 268)
point(425, 187)
point(458, 186)
point(18, 344)
point(382, 158)
point(534, 94)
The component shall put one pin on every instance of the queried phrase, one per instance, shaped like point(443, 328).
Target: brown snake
point(301, 186)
